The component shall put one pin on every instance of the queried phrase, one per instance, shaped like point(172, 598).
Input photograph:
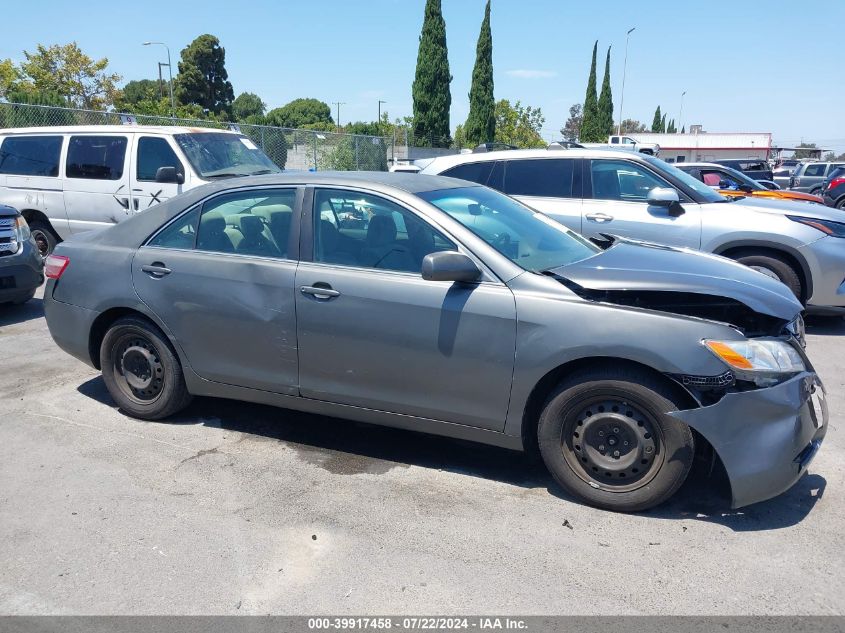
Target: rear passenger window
point(550, 178)
point(155, 152)
point(30, 155)
point(254, 222)
point(815, 169)
point(96, 157)
point(474, 172)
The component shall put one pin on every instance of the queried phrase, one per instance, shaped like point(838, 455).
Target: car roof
point(701, 164)
point(112, 129)
point(452, 160)
point(406, 181)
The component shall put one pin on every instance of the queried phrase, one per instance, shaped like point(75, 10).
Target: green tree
point(605, 104)
point(459, 141)
point(630, 126)
point(22, 116)
point(518, 125)
point(202, 78)
point(139, 90)
point(670, 128)
point(572, 128)
point(430, 91)
point(804, 154)
point(481, 122)
point(663, 123)
point(684, 129)
point(367, 128)
point(67, 71)
point(9, 77)
point(300, 113)
point(356, 153)
point(655, 122)
point(246, 105)
point(590, 124)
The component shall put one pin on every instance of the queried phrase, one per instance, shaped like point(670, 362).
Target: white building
point(698, 145)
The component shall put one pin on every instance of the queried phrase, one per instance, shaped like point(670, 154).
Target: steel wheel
point(613, 443)
point(139, 372)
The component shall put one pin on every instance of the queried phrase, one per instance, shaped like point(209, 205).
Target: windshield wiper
point(261, 172)
point(224, 175)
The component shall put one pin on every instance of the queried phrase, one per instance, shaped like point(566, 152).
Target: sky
point(746, 67)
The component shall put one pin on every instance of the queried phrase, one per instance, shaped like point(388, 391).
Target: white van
point(67, 180)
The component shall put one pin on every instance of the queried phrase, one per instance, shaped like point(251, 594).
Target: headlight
point(764, 362)
point(828, 227)
point(22, 229)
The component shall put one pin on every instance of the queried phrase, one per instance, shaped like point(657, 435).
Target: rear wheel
point(774, 266)
point(605, 436)
point(840, 204)
point(141, 370)
point(44, 237)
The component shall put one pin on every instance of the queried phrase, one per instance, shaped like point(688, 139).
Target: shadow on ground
point(345, 447)
point(12, 314)
point(825, 325)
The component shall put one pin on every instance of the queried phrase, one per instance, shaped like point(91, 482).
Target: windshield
point(530, 239)
point(693, 183)
point(221, 155)
point(738, 175)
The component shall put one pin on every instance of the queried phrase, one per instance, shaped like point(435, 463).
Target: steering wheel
point(502, 239)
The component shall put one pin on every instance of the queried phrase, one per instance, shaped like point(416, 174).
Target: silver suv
point(810, 177)
point(602, 193)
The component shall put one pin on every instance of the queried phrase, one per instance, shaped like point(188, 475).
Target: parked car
point(754, 168)
point(604, 192)
point(67, 180)
point(833, 189)
point(732, 183)
point(810, 176)
point(451, 309)
point(21, 266)
point(781, 176)
point(626, 143)
point(769, 184)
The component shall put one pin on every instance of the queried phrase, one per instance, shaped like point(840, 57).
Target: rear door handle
point(156, 270)
point(320, 293)
point(599, 217)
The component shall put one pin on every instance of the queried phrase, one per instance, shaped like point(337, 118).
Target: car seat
point(212, 234)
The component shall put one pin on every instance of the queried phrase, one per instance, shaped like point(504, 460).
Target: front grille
point(8, 237)
point(709, 382)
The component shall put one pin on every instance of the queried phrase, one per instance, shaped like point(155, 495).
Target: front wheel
point(774, 266)
point(141, 370)
point(606, 438)
point(44, 237)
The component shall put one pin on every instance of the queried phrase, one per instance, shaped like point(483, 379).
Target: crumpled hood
point(639, 266)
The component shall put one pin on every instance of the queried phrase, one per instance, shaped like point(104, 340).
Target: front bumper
point(826, 260)
point(764, 437)
point(20, 274)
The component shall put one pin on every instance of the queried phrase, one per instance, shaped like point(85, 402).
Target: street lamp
point(681, 114)
point(624, 70)
point(170, 72)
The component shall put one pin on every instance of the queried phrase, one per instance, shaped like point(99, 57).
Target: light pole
point(170, 72)
point(681, 113)
point(624, 71)
point(379, 110)
point(338, 104)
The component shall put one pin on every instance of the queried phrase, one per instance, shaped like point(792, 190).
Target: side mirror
point(449, 266)
point(169, 174)
point(668, 198)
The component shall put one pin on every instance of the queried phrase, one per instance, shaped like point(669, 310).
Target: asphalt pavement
point(235, 508)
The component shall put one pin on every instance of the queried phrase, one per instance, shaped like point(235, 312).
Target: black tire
point(840, 204)
point(584, 427)
point(141, 370)
point(776, 266)
point(44, 236)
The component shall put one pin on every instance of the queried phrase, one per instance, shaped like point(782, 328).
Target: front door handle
point(157, 270)
point(318, 292)
point(599, 217)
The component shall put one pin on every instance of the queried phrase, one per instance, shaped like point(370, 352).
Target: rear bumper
point(765, 438)
point(20, 274)
point(69, 325)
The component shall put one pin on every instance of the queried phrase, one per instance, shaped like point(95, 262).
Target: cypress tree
point(481, 123)
point(663, 123)
point(655, 122)
point(684, 130)
point(430, 91)
point(606, 102)
point(590, 125)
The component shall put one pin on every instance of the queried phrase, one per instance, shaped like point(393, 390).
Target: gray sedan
point(432, 304)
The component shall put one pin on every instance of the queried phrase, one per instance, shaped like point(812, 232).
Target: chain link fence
point(288, 148)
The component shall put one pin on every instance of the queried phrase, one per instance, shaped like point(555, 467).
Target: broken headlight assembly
point(764, 362)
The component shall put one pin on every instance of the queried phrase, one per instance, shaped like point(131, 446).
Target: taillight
point(836, 182)
point(55, 266)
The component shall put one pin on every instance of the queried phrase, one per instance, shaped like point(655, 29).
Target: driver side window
point(362, 230)
point(622, 180)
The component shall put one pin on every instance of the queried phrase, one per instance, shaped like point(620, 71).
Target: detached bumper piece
point(765, 438)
